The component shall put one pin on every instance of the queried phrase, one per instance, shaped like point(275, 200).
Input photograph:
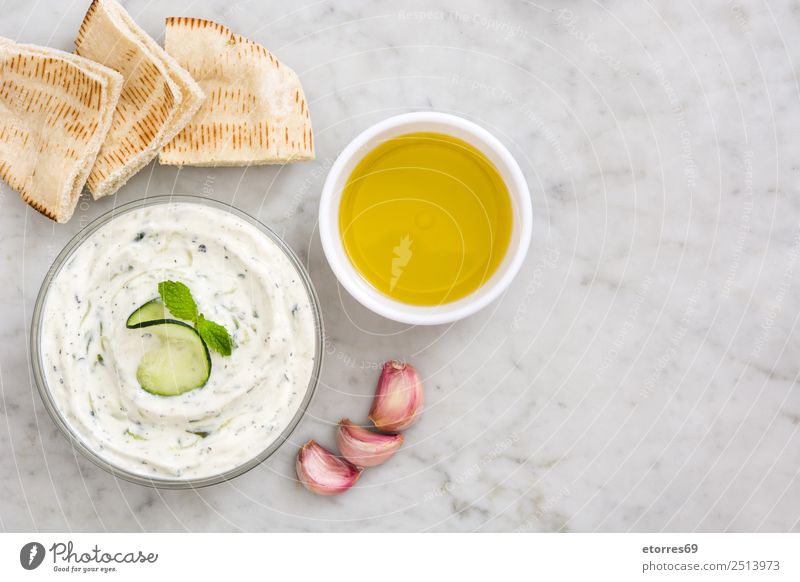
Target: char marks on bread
point(157, 99)
point(55, 111)
point(255, 111)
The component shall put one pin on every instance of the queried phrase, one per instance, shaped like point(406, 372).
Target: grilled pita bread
point(55, 111)
point(157, 100)
point(255, 111)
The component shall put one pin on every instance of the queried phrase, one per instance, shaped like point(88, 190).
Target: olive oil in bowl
point(425, 218)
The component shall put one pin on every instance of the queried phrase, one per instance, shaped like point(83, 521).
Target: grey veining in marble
point(640, 374)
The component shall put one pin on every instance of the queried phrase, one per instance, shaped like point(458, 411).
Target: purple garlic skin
point(363, 447)
point(324, 473)
point(399, 398)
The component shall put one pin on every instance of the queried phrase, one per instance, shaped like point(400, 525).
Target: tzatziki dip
point(240, 278)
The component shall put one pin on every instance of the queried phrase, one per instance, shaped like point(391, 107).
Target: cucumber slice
point(180, 364)
point(153, 310)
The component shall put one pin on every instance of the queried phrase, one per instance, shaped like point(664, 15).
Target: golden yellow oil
point(425, 218)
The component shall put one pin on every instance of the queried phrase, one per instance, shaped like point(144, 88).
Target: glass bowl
point(52, 407)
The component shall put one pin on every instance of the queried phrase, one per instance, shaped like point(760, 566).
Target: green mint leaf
point(215, 336)
point(178, 300)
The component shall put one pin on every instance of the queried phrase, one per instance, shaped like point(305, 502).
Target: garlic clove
point(399, 398)
point(323, 472)
point(363, 447)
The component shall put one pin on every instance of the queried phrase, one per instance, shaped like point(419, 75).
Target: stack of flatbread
point(55, 111)
point(97, 117)
point(255, 111)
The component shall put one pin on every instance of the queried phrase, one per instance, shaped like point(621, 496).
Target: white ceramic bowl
point(334, 249)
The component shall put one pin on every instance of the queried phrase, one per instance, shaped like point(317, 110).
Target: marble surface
point(640, 374)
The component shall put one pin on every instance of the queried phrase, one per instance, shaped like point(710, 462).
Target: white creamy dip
point(240, 279)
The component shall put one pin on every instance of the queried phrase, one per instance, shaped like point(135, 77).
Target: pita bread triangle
point(255, 110)
point(55, 111)
point(157, 99)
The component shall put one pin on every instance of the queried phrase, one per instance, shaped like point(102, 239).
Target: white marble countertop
point(640, 374)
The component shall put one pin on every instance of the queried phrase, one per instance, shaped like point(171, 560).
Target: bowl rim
point(53, 409)
point(373, 299)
